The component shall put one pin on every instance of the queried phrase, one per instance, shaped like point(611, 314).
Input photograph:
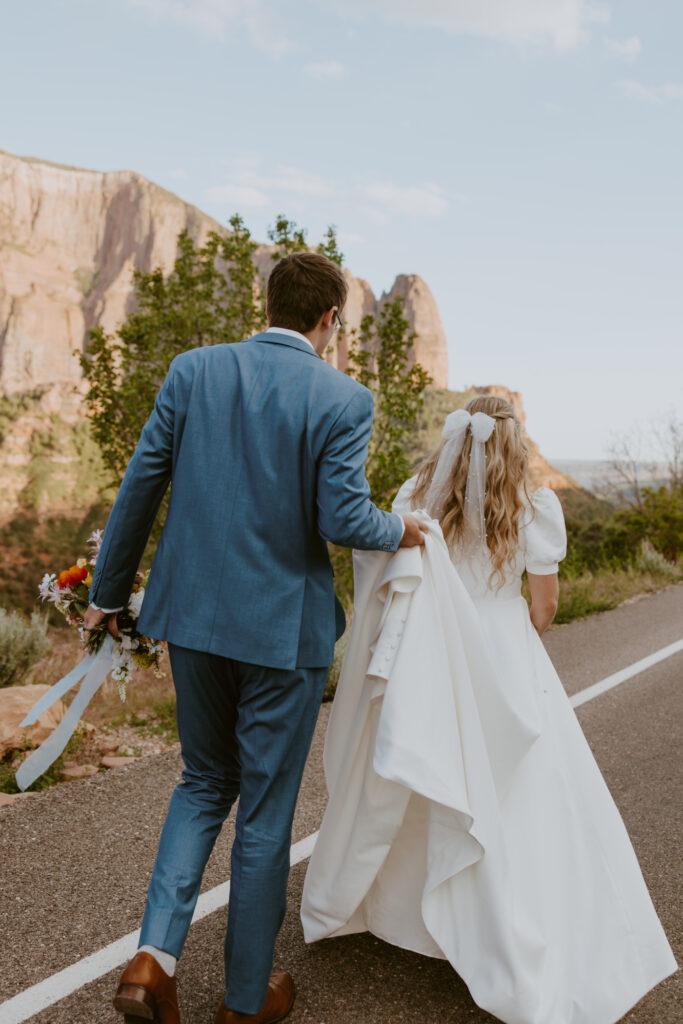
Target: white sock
point(166, 961)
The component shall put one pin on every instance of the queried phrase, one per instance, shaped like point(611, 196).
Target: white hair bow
point(454, 431)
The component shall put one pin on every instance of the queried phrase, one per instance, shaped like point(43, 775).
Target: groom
point(265, 445)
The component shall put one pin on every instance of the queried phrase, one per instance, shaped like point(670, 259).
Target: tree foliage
point(657, 519)
point(379, 357)
point(210, 296)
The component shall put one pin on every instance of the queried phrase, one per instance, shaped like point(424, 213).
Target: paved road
point(75, 860)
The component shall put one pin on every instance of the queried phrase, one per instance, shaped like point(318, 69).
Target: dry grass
point(106, 708)
point(595, 592)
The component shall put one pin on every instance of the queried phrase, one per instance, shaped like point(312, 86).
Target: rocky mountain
point(437, 406)
point(69, 241)
point(540, 470)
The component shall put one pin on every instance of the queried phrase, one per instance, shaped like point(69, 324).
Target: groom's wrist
point(107, 611)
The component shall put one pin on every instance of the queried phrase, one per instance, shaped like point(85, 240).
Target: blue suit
point(264, 445)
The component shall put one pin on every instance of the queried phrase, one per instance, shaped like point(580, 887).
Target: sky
point(525, 157)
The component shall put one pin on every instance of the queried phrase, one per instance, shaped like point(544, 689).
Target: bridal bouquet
point(70, 593)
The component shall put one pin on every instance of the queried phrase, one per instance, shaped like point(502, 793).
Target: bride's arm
point(545, 591)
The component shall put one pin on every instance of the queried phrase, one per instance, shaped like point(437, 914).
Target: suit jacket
point(264, 445)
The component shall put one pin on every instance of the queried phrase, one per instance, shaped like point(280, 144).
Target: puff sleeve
point(401, 503)
point(545, 536)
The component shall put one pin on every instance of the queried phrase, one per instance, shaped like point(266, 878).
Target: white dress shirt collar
point(292, 334)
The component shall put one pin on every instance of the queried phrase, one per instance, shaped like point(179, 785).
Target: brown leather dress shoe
point(279, 1002)
point(146, 992)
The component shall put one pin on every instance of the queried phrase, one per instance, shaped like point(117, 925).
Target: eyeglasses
point(338, 322)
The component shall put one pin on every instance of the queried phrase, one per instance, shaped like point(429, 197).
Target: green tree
point(658, 518)
point(287, 236)
point(212, 295)
point(379, 357)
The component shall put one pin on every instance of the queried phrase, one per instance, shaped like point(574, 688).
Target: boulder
point(8, 798)
point(108, 746)
point(116, 762)
point(78, 771)
point(15, 704)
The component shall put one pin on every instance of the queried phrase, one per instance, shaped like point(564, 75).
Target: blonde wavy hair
point(507, 462)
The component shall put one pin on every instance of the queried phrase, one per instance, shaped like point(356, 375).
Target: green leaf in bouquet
point(95, 638)
point(143, 659)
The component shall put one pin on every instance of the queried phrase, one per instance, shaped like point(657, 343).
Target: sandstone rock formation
point(423, 315)
point(69, 241)
point(540, 470)
point(15, 704)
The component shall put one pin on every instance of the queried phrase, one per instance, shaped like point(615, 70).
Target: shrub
point(651, 560)
point(22, 644)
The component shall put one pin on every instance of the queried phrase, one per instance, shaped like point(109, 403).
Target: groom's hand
point(94, 616)
point(414, 533)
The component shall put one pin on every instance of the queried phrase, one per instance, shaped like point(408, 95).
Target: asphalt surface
point(75, 860)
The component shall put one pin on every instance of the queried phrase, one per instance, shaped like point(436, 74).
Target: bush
point(22, 644)
point(651, 560)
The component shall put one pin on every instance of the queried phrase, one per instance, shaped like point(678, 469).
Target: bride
point(467, 818)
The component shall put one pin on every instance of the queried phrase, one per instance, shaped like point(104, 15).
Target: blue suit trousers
point(245, 730)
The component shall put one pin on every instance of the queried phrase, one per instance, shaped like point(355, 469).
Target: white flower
point(129, 643)
point(135, 603)
point(46, 585)
point(95, 543)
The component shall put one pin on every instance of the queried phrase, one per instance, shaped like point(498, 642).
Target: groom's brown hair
point(301, 287)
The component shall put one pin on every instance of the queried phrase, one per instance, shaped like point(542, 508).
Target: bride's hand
point(414, 533)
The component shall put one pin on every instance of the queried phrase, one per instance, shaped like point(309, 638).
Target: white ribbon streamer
point(95, 668)
point(454, 431)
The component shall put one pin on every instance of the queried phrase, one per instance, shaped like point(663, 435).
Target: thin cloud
point(424, 200)
point(237, 197)
point(561, 24)
point(179, 173)
point(326, 69)
point(294, 179)
point(249, 188)
point(634, 90)
point(349, 238)
point(214, 17)
point(625, 49)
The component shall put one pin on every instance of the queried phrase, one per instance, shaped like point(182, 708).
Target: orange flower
point(64, 579)
point(75, 574)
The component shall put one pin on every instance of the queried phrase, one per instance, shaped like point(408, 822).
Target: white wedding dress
point(467, 817)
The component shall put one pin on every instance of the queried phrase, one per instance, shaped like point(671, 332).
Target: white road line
point(38, 997)
point(626, 673)
point(32, 1000)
